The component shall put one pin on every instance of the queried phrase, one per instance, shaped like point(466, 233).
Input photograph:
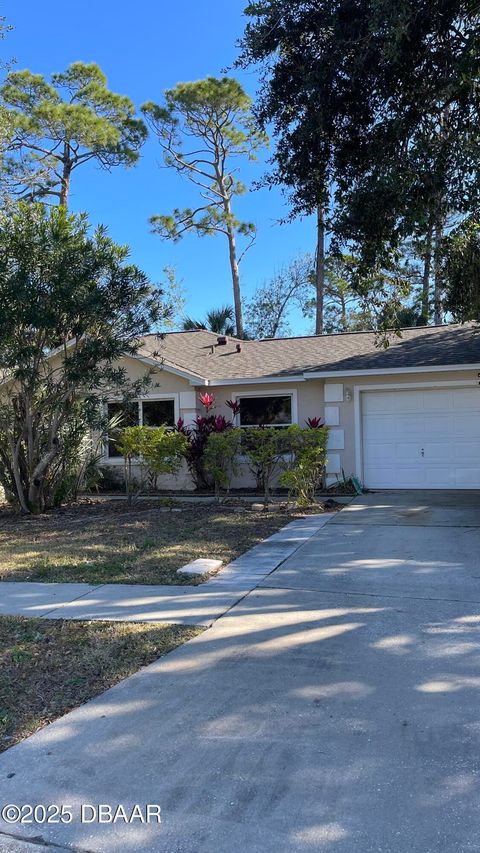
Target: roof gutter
point(388, 371)
point(335, 374)
point(259, 380)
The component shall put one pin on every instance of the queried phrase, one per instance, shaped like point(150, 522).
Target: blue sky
point(145, 48)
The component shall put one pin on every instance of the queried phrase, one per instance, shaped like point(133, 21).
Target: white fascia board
point(262, 380)
point(389, 371)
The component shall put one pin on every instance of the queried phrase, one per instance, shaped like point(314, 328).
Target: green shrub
point(77, 467)
point(162, 452)
point(130, 446)
point(264, 448)
point(156, 450)
point(305, 467)
point(220, 457)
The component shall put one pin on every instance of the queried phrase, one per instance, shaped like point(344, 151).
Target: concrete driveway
point(335, 708)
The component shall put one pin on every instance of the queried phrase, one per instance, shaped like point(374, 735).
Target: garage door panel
point(381, 453)
point(439, 426)
point(468, 477)
point(436, 478)
point(466, 451)
point(467, 398)
point(407, 451)
point(377, 429)
point(397, 426)
point(436, 401)
point(407, 402)
point(408, 426)
point(467, 425)
point(410, 477)
point(435, 451)
point(379, 403)
point(443, 423)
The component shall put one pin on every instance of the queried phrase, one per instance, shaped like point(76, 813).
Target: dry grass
point(48, 667)
point(109, 543)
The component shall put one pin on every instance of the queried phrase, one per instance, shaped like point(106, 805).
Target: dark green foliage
point(218, 320)
point(264, 448)
point(220, 457)
point(66, 291)
point(305, 464)
point(154, 451)
point(375, 109)
point(59, 125)
point(204, 127)
point(197, 436)
point(462, 271)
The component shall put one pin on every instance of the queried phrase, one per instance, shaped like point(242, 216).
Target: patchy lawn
point(49, 667)
point(110, 543)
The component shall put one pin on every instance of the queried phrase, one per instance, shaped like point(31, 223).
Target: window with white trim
point(151, 413)
point(265, 410)
point(155, 413)
point(124, 415)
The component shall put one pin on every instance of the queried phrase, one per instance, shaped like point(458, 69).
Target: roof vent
point(221, 341)
point(238, 347)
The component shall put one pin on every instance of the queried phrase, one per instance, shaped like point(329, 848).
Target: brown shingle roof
point(197, 353)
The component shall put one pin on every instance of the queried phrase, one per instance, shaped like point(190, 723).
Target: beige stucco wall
point(314, 397)
point(309, 395)
point(161, 382)
point(308, 402)
point(346, 455)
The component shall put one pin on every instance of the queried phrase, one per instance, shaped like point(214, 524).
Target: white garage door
point(421, 439)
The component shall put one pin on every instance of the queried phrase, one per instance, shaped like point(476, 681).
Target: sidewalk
point(334, 709)
point(198, 605)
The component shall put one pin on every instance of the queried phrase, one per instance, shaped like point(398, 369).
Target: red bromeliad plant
point(234, 405)
point(207, 400)
point(204, 425)
point(197, 436)
point(314, 423)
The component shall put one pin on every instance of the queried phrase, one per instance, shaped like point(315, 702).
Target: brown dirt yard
point(48, 667)
point(109, 542)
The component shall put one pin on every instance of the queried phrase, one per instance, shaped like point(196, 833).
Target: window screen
point(267, 411)
point(158, 413)
point(128, 416)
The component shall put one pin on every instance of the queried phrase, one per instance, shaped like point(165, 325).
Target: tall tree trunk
point(66, 175)
point(440, 207)
point(35, 489)
point(320, 270)
point(427, 269)
point(437, 264)
point(237, 296)
point(343, 312)
point(17, 476)
point(232, 251)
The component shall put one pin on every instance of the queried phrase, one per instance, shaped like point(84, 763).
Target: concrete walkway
point(335, 708)
point(191, 605)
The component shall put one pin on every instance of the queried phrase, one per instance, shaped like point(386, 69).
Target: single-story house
point(407, 416)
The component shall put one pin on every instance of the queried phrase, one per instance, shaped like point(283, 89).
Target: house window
point(127, 415)
point(151, 413)
point(271, 410)
point(157, 413)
